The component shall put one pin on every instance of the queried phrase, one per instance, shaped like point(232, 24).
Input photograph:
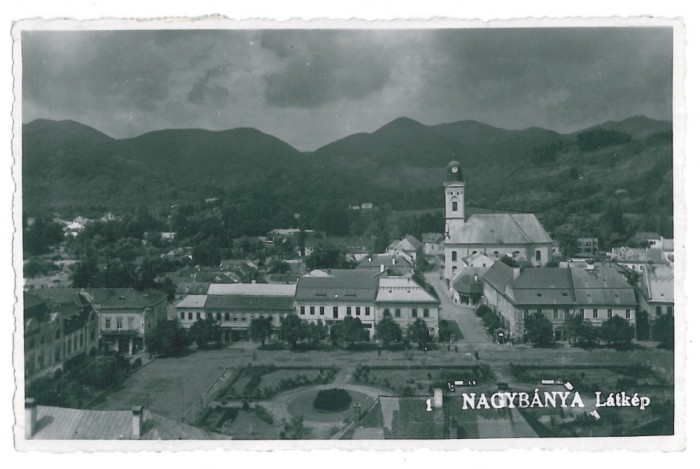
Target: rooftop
point(192, 301)
point(657, 284)
point(125, 298)
point(248, 289)
point(250, 303)
point(348, 284)
point(402, 290)
point(59, 423)
point(501, 228)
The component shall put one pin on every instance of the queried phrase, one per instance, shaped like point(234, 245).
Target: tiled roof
point(250, 303)
point(402, 290)
point(478, 260)
point(499, 275)
point(497, 228)
point(35, 308)
point(657, 284)
point(261, 289)
point(387, 260)
point(192, 301)
point(465, 282)
point(125, 298)
point(432, 237)
point(350, 285)
point(59, 423)
point(602, 286)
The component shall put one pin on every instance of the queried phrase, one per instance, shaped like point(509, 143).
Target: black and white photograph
point(266, 232)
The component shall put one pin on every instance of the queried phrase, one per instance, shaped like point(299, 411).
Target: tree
point(204, 331)
point(418, 332)
point(539, 329)
point(617, 331)
point(664, 331)
point(352, 331)
point(326, 256)
point(491, 321)
point(580, 330)
point(260, 329)
point(388, 331)
point(207, 253)
point(568, 236)
point(41, 236)
point(167, 338)
point(292, 330)
point(85, 273)
point(509, 261)
point(643, 328)
point(317, 332)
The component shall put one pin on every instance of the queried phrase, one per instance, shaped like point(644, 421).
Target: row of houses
point(63, 325)
point(330, 296)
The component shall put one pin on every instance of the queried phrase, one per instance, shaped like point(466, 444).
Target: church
point(518, 235)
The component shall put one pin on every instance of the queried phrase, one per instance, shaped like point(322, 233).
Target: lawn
point(303, 406)
point(168, 386)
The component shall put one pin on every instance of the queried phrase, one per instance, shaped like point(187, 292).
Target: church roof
point(501, 228)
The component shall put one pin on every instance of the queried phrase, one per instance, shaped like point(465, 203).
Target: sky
point(312, 87)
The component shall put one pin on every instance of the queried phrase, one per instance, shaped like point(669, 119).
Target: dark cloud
point(204, 91)
point(325, 66)
point(310, 87)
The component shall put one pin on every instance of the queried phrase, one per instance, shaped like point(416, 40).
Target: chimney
point(381, 267)
point(29, 417)
point(136, 422)
point(437, 398)
point(393, 261)
point(356, 412)
point(516, 272)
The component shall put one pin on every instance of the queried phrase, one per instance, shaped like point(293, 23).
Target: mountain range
point(68, 166)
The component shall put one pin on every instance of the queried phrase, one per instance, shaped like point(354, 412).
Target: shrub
point(332, 400)
point(482, 310)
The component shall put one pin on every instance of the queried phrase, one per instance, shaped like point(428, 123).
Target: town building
point(587, 247)
point(339, 294)
point(396, 263)
point(596, 294)
point(126, 316)
point(404, 301)
point(638, 259)
point(60, 329)
point(433, 244)
point(657, 291)
point(409, 245)
point(520, 236)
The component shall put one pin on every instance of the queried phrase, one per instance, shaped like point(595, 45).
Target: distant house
point(595, 294)
point(657, 291)
point(60, 423)
point(397, 263)
point(587, 247)
point(126, 316)
point(467, 288)
point(638, 259)
point(433, 244)
point(167, 235)
point(366, 206)
point(408, 245)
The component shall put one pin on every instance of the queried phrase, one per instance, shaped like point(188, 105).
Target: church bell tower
point(454, 198)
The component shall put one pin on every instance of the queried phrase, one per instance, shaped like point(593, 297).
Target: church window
point(454, 205)
point(454, 255)
point(538, 255)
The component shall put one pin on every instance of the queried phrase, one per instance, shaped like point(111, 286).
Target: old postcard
point(320, 234)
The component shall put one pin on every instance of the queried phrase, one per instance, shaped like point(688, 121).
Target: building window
point(426, 313)
point(454, 269)
point(628, 313)
point(244, 317)
point(130, 321)
point(227, 316)
point(335, 312)
point(322, 310)
point(386, 313)
point(348, 311)
point(538, 255)
point(182, 315)
point(189, 315)
point(397, 312)
point(454, 205)
point(609, 313)
point(218, 316)
point(566, 312)
point(235, 317)
point(312, 310)
point(302, 310)
point(658, 310)
point(367, 311)
point(358, 311)
point(582, 313)
point(454, 256)
point(595, 313)
point(555, 313)
point(669, 309)
point(108, 323)
point(414, 312)
point(199, 315)
point(539, 310)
